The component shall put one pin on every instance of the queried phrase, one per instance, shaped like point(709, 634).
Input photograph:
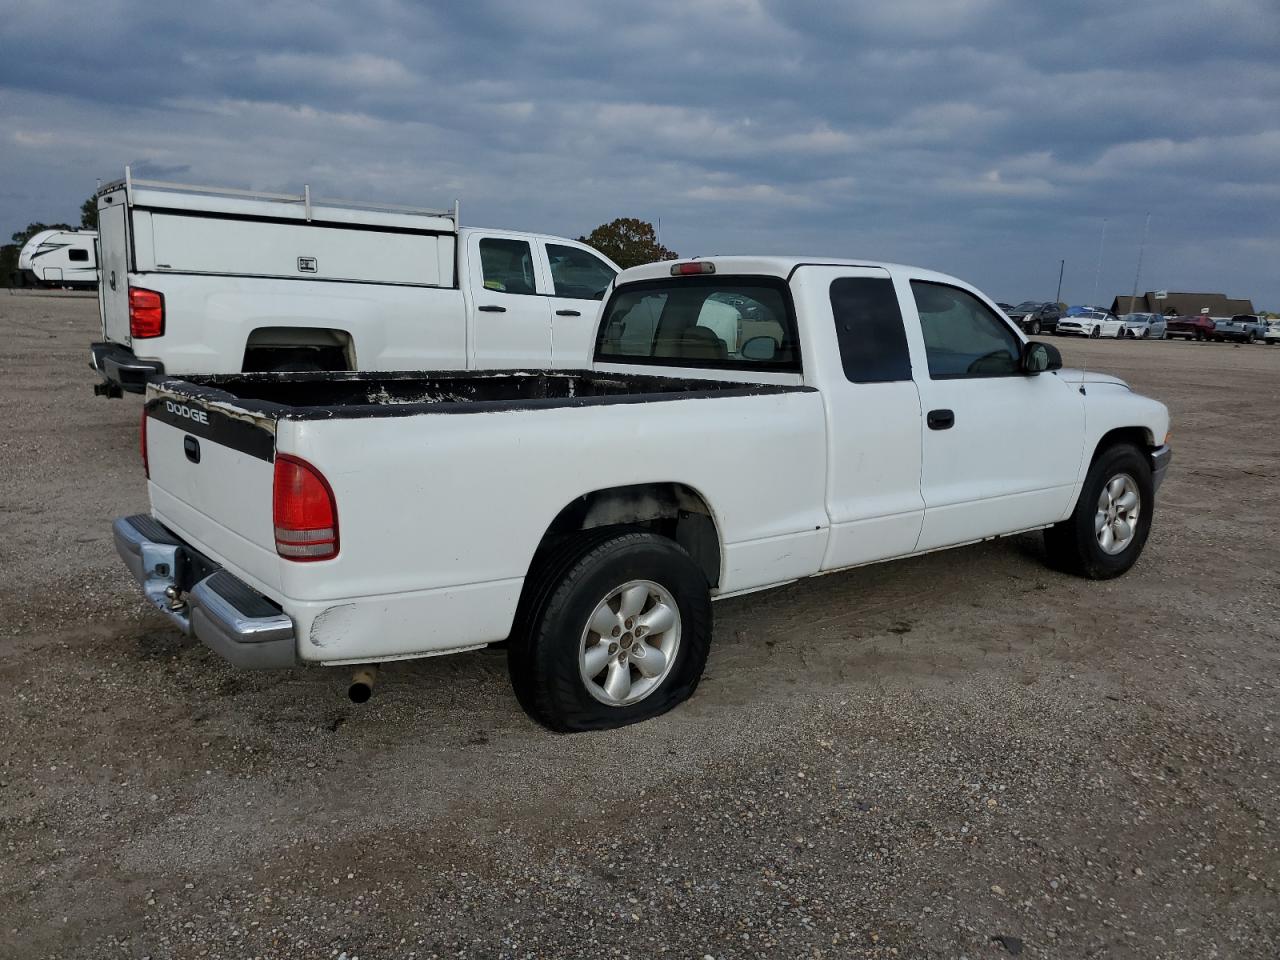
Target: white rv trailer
point(60, 258)
point(208, 280)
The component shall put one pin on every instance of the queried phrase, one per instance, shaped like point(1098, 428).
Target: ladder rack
point(304, 199)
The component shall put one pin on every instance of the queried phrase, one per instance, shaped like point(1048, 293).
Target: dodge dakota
point(745, 422)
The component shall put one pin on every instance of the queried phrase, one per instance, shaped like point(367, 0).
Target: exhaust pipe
point(361, 688)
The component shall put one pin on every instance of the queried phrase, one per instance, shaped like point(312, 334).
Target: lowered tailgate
point(211, 469)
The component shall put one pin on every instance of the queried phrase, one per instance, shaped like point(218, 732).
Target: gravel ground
point(960, 755)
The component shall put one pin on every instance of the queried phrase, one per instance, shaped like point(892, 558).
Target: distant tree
point(628, 242)
point(9, 264)
point(89, 214)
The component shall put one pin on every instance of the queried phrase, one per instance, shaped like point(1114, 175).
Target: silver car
point(1143, 326)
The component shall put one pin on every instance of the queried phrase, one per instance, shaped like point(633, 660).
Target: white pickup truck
point(745, 422)
point(204, 280)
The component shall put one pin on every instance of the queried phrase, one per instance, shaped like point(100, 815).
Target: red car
point(1197, 327)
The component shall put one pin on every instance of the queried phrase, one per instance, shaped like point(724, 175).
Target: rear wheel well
point(320, 348)
point(672, 510)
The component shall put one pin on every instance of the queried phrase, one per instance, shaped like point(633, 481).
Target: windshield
point(743, 323)
point(1027, 305)
point(1136, 318)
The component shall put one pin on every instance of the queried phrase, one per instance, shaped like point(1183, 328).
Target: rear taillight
point(146, 313)
point(142, 444)
point(306, 516)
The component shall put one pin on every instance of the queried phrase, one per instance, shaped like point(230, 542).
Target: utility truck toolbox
point(744, 422)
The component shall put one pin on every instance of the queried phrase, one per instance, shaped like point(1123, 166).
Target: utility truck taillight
point(306, 517)
point(146, 313)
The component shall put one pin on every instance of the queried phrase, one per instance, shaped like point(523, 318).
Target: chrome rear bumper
point(203, 600)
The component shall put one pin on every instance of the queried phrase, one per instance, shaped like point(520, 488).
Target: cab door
point(872, 408)
point(1001, 448)
point(579, 279)
point(510, 313)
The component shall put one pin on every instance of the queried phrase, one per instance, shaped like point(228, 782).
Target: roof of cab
point(775, 267)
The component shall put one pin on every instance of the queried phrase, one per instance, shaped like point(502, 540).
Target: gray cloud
point(988, 138)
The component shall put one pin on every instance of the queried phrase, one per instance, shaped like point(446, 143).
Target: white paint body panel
point(403, 288)
point(440, 513)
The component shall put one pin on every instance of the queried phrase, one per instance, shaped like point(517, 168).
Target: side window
point(578, 274)
point(962, 337)
point(507, 265)
point(873, 342)
point(76, 255)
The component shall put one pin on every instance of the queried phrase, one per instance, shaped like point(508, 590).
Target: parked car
point(1242, 328)
point(1090, 322)
point(203, 280)
point(1034, 317)
point(1273, 332)
point(591, 516)
point(1144, 326)
point(1193, 327)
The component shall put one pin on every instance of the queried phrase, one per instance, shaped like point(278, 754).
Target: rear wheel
point(616, 629)
point(1105, 534)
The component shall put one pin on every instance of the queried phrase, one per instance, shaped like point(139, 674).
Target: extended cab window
point(577, 274)
point(873, 342)
point(741, 323)
point(78, 255)
point(962, 336)
point(507, 265)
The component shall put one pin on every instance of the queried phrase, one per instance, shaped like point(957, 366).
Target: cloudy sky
point(986, 138)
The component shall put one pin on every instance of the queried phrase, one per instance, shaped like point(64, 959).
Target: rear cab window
point(721, 322)
point(508, 265)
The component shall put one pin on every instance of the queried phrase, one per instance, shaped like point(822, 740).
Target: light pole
point(1062, 265)
point(1141, 249)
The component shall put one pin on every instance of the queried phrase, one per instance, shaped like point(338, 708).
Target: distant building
point(1181, 304)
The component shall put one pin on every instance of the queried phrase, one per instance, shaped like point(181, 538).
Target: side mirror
point(1040, 357)
point(759, 348)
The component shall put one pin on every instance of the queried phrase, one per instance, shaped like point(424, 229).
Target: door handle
point(941, 419)
point(492, 308)
point(568, 313)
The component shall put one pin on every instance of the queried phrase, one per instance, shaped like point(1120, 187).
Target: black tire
point(1035, 328)
point(1073, 545)
point(1095, 333)
point(566, 587)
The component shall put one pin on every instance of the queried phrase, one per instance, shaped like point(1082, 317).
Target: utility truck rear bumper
point(121, 370)
point(204, 600)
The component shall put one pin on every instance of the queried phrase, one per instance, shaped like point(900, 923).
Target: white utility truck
point(206, 280)
point(60, 258)
point(851, 412)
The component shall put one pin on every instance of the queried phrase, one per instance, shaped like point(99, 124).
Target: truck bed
point(322, 395)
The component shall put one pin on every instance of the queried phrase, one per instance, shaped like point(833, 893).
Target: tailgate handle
point(191, 446)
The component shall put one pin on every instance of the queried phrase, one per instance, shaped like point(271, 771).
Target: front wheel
point(1095, 333)
point(1105, 534)
point(1035, 328)
point(615, 631)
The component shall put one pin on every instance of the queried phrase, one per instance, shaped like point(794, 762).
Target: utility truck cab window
point(507, 265)
point(962, 336)
point(577, 274)
point(727, 322)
